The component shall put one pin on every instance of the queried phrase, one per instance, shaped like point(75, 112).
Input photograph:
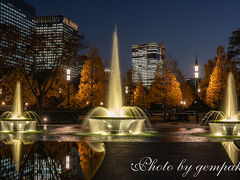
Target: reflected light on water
point(232, 151)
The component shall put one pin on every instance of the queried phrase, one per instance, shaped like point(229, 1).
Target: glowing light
point(199, 90)
point(67, 162)
point(218, 134)
point(136, 132)
point(229, 120)
point(3, 103)
point(183, 102)
point(101, 103)
point(68, 71)
point(68, 78)
point(26, 104)
point(45, 119)
point(126, 89)
point(196, 68)
point(196, 74)
point(68, 74)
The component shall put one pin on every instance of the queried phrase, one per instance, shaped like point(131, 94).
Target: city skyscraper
point(21, 15)
point(57, 29)
point(145, 59)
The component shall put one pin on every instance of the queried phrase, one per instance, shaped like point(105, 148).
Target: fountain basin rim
point(20, 119)
point(224, 122)
point(116, 118)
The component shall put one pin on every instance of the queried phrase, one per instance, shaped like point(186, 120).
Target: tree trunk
point(40, 107)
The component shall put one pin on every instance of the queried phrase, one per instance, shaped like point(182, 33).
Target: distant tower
point(196, 75)
point(196, 70)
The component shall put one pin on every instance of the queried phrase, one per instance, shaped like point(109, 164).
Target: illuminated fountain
point(116, 119)
point(17, 120)
point(226, 122)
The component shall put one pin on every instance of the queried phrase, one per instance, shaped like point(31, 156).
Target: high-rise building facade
point(145, 59)
point(58, 29)
point(18, 13)
point(21, 15)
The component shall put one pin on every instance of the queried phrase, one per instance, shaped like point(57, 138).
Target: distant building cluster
point(58, 28)
point(145, 59)
point(23, 16)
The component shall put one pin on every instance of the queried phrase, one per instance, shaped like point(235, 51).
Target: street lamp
point(68, 82)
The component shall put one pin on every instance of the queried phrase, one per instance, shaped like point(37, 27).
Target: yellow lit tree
point(165, 89)
point(186, 89)
point(203, 85)
point(92, 83)
point(140, 96)
point(218, 78)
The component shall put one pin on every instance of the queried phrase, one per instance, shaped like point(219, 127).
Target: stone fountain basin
point(17, 125)
point(225, 128)
point(116, 125)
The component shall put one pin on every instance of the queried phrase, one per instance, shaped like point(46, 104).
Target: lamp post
point(68, 83)
point(126, 94)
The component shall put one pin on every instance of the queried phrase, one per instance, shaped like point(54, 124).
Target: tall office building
point(145, 59)
point(58, 29)
point(21, 15)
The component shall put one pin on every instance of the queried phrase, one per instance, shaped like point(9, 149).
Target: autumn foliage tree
point(203, 85)
point(165, 89)
point(218, 78)
point(92, 85)
point(140, 96)
point(23, 51)
point(55, 98)
point(186, 89)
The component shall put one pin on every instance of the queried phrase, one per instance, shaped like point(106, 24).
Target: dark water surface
point(64, 152)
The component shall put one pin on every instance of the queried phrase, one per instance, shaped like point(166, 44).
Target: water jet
point(17, 120)
point(116, 118)
point(226, 122)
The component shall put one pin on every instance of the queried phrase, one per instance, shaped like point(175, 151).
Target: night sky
point(187, 27)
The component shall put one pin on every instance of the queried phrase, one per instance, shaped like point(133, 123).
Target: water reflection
point(26, 159)
point(232, 151)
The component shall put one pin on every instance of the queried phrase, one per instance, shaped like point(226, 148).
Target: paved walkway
point(119, 157)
